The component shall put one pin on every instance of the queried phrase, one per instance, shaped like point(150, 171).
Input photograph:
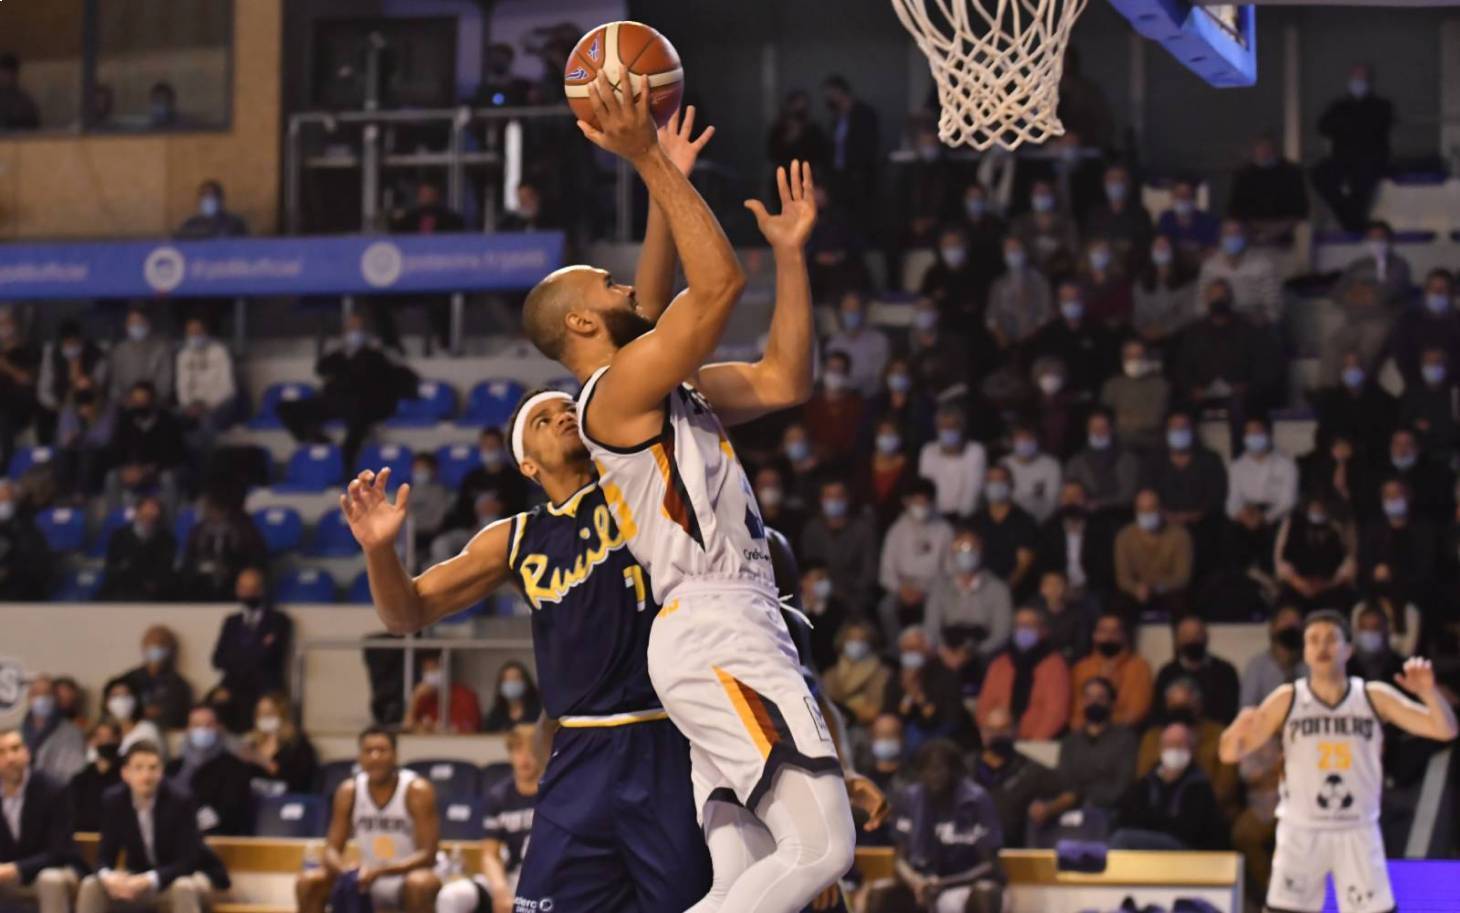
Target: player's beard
point(624, 326)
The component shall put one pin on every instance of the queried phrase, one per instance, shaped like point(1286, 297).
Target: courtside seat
point(292, 816)
point(306, 585)
point(313, 468)
point(25, 458)
point(490, 403)
point(435, 401)
point(281, 527)
point(397, 458)
point(495, 773)
point(450, 776)
point(63, 527)
point(268, 414)
point(332, 537)
point(332, 773)
point(462, 818)
point(454, 461)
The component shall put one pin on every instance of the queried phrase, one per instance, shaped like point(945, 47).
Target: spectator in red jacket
point(1030, 680)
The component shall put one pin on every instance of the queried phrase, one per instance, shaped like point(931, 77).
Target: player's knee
point(311, 881)
point(986, 897)
point(422, 882)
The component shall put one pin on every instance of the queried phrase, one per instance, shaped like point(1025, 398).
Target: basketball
point(624, 47)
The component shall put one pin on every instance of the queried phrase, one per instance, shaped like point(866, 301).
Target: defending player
point(650, 411)
point(1332, 739)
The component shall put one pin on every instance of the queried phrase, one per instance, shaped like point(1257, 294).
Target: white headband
point(524, 412)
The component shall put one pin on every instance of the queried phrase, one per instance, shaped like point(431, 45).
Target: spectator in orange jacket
point(1113, 659)
point(1029, 679)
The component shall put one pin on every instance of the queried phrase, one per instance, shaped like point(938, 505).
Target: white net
point(997, 64)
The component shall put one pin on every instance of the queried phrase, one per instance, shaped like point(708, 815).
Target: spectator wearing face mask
point(140, 558)
point(1336, 471)
point(1253, 281)
point(103, 771)
point(1189, 482)
point(1429, 405)
point(833, 414)
point(865, 347)
point(803, 467)
point(1281, 662)
point(1059, 410)
point(1018, 784)
point(1358, 409)
point(1046, 233)
point(142, 357)
point(71, 366)
point(1429, 323)
point(1172, 807)
point(1079, 340)
point(426, 712)
point(1035, 475)
point(1097, 757)
point(1153, 561)
point(70, 699)
point(925, 694)
point(125, 711)
point(1029, 680)
point(147, 450)
point(1429, 479)
point(1104, 277)
point(430, 501)
point(1105, 469)
point(1227, 362)
point(836, 250)
point(1183, 701)
point(938, 355)
point(206, 392)
point(1314, 557)
point(774, 501)
point(1401, 618)
point(1215, 678)
point(885, 753)
point(970, 597)
point(1120, 217)
point(1162, 296)
point(57, 746)
point(515, 699)
point(968, 261)
point(1372, 292)
point(1190, 232)
point(1375, 658)
point(902, 401)
point(165, 696)
point(25, 558)
point(845, 540)
point(212, 220)
point(827, 612)
point(1262, 480)
point(277, 748)
point(224, 542)
point(955, 464)
point(913, 555)
point(1008, 534)
point(1113, 659)
point(495, 473)
point(1357, 126)
point(217, 780)
point(1137, 397)
point(858, 679)
point(1020, 300)
point(1069, 612)
point(1268, 193)
point(19, 374)
point(253, 645)
point(886, 479)
point(925, 185)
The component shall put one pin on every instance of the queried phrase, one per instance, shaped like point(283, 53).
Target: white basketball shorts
point(725, 668)
point(1353, 855)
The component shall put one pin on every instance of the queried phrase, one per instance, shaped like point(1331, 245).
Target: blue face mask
point(851, 320)
point(856, 650)
point(137, 331)
point(926, 321)
point(43, 706)
point(886, 750)
point(1395, 507)
point(796, 451)
point(1353, 378)
point(1179, 438)
point(888, 444)
point(1015, 259)
point(1437, 303)
point(966, 560)
point(1433, 374)
point(1099, 441)
point(1026, 448)
point(954, 256)
point(1161, 256)
point(1149, 521)
point(912, 659)
point(514, 689)
point(354, 339)
point(1358, 88)
point(1255, 443)
point(1184, 208)
point(975, 208)
point(1234, 244)
point(1025, 639)
point(1072, 310)
point(1403, 461)
point(1116, 191)
point(997, 492)
point(202, 737)
point(899, 383)
point(209, 206)
point(950, 438)
point(1042, 202)
point(7, 511)
point(834, 508)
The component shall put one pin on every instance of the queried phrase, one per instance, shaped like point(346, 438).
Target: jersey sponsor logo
point(1334, 794)
point(543, 583)
point(512, 822)
point(817, 719)
point(1361, 727)
point(385, 824)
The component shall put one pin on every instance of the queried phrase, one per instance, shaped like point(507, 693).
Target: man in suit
point(217, 780)
point(37, 856)
point(855, 148)
point(155, 825)
point(252, 648)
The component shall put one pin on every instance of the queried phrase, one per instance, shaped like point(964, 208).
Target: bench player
point(1331, 727)
point(650, 412)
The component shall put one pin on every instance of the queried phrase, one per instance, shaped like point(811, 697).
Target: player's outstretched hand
point(1418, 676)
point(865, 795)
point(625, 126)
point(374, 520)
point(790, 229)
point(674, 138)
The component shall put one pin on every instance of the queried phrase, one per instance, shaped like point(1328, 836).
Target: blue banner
point(236, 267)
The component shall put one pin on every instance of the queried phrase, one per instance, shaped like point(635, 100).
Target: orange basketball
point(618, 48)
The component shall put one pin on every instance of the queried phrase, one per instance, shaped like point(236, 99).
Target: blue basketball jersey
point(591, 607)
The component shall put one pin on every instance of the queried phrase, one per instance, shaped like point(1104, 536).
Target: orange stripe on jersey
point(677, 506)
point(762, 735)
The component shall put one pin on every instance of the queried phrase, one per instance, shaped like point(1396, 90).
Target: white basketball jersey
point(1333, 774)
point(385, 834)
point(682, 500)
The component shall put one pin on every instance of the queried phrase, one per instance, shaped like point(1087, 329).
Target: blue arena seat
point(454, 461)
point(566, 383)
point(313, 468)
point(63, 527)
point(379, 456)
point(79, 586)
point(435, 401)
point(268, 414)
point(109, 526)
point(359, 591)
point(462, 818)
point(182, 527)
point(281, 527)
point(331, 774)
point(491, 402)
point(25, 458)
point(332, 537)
point(292, 815)
point(494, 773)
point(307, 584)
point(449, 776)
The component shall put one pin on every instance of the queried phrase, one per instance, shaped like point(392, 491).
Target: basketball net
point(997, 64)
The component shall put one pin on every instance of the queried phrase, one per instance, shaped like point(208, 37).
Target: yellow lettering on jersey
point(612, 494)
point(634, 580)
point(1335, 756)
point(560, 581)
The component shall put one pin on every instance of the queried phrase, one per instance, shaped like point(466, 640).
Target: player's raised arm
point(1255, 725)
point(647, 369)
point(407, 604)
point(1433, 719)
point(744, 391)
point(654, 278)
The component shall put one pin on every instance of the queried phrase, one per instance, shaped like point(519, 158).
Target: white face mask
point(1175, 759)
point(122, 706)
point(268, 725)
point(435, 678)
